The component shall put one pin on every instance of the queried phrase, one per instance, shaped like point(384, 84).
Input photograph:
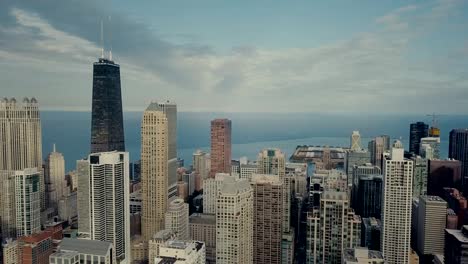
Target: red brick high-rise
point(220, 146)
point(37, 248)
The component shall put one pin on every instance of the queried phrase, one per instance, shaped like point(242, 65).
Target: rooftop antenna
point(102, 39)
point(110, 51)
point(54, 148)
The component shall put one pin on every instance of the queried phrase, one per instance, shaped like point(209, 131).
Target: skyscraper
point(234, 222)
point(419, 176)
point(377, 147)
point(369, 196)
point(170, 110)
point(55, 177)
point(177, 219)
point(154, 170)
point(355, 141)
point(432, 215)
point(109, 201)
point(418, 130)
point(200, 166)
point(268, 210)
point(220, 146)
point(457, 150)
point(107, 131)
point(211, 192)
point(396, 211)
point(443, 173)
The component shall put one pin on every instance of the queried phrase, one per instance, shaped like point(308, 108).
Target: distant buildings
point(377, 147)
point(418, 130)
point(433, 143)
point(324, 157)
point(234, 222)
point(201, 167)
point(355, 141)
point(55, 178)
point(154, 170)
point(220, 146)
point(396, 211)
point(107, 215)
point(107, 131)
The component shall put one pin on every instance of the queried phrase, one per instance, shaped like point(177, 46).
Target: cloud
point(369, 72)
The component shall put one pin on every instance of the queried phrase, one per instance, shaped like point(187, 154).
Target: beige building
point(268, 211)
point(177, 219)
point(210, 192)
point(10, 251)
point(234, 222)
point(201, 167)
point(55, 178)
point(203, 228)
point(396, 209)
point(181, 252)
point(432, 218)
point(155, 243)
point(361, 255)
point(154, 170)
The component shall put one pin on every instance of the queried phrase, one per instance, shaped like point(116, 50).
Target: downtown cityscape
point(364, 198)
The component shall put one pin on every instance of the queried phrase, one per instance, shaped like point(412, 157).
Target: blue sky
point(254, 56)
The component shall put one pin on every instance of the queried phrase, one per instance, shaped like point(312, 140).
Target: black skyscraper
point(107, 133)
point(417, 131)
point(458, 149)
point(369, 196)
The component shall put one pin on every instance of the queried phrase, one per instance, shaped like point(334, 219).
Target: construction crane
point(434, 131)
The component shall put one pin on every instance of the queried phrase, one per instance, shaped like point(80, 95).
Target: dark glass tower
point(417, 131)
point(369, 196)
point(458, 149)
point(107, 133)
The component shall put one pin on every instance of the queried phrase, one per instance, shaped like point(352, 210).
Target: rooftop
point(93, 247)
point(354, 254)
point(458, 234)
point(208, 219)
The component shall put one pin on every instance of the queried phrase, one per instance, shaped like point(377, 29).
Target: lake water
point(251, 132)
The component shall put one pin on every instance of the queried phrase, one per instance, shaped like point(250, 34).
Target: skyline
point(400, 56)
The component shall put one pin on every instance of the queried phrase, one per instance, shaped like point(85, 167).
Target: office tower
point(201, 168)
point(210, 192)
point(396, 210)
point(443, 173)
point(154, 170)
point(432, 213)
point(155, 243)
point(107, 131)
point(458, 143)
point(190, 179)
point(419, 176)
point(220, 146)
point(456, 245)
point(37, 248)
point(356, 157)
point(331, 228)
point(234, 222)
point(181, 252)
point(433, 143)
point(68, 207)
point(109, 201)
point(55, 177)
point(170, 110)
point(87, 251)
point(371, 231)
point(203, 228)
point(357, 172)
point(268, 210)
point(418, 130)
point(355, 141)
point(369, 196)
point(362, 256)
point(83, 198)
point(177, 219)
point(10, 251)
point(377, 147)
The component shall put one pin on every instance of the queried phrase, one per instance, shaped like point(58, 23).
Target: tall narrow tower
point(107, 131)
point(55, 177)
point(355, 141)
point(154, 170)
point(220, 146)
point(396, 211)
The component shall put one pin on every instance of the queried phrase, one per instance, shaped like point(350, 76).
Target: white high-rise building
point(247, 169)
point(201, 168)
point(355, 141)
point(432, 216)
point(154, 170)
point(210, 192)
point(234, 222)
point(177, 219)
point(108, 206)
point(20, 202)
point(55, 178)
point(396, 209)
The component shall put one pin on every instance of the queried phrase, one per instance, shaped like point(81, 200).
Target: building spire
point(54, 148)
point(102, 39)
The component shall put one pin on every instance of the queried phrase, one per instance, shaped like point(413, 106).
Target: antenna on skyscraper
point(110, 37)
point(102, 39)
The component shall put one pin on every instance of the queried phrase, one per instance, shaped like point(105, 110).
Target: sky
point(242, 56)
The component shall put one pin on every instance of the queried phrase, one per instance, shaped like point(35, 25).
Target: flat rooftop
point(209, 219)
point(86, 246)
